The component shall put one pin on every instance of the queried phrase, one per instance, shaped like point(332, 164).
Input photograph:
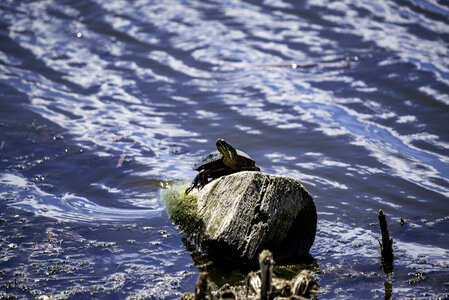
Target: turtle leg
point(203, 178)
point(193, 184)
point(199, 181)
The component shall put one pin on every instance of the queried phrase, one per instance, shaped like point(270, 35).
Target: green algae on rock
point(182, 209)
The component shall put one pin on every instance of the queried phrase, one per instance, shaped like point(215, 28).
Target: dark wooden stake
point(266, 263)
point(388, 290)
point(386, 245)
point(202, 288)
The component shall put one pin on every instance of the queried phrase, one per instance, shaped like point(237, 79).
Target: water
point(105, 103)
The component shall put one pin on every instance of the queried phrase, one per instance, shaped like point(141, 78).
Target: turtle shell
point(215, 160)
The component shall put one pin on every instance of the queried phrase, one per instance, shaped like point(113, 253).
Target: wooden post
point(266, 263)
point(386, 245)
point(202, 289)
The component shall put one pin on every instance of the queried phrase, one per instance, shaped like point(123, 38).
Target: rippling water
point(105, 103)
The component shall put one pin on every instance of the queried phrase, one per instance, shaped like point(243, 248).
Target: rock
point(239, 215)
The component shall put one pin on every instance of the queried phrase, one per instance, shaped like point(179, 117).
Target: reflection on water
point(104, 103)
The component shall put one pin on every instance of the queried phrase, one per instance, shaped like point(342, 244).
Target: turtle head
point(229, 153)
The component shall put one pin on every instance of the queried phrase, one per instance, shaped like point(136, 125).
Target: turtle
point(224, 161)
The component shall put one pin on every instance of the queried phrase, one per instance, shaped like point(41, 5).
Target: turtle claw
point(195, 183)
point(199, 186)
point(188, 189)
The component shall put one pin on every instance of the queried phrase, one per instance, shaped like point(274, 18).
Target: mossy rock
point(236, 216)
point(180, 207)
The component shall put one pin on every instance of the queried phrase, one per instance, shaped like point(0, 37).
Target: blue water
point(103, 104)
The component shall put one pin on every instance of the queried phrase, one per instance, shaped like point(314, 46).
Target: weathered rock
point(241, 214)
